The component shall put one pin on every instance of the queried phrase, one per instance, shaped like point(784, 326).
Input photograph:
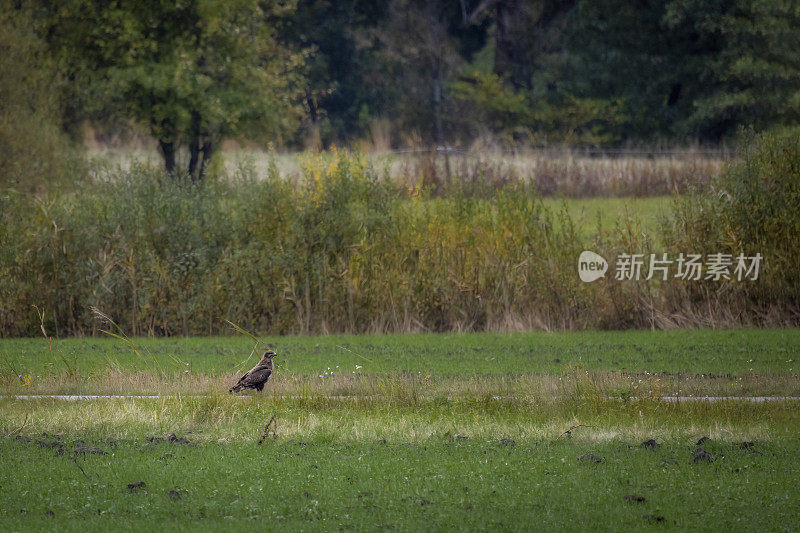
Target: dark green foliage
point(744, 57)
point(33, 152)
point(192, 74)
point(410, 72)
point(345, 84)
point(536, 71)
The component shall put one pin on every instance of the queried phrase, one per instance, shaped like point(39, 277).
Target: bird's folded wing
point(259, 375)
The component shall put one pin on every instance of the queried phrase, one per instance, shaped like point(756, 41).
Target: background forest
point(397, 73)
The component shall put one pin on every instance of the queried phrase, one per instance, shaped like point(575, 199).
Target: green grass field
point(590, 213)
point(465, 484)
point(688, 351)
point(406, 432)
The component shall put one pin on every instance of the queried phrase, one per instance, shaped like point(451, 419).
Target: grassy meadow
point(405, 432)
point(444, 483)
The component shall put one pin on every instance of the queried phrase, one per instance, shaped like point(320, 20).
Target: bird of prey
point(257, 376)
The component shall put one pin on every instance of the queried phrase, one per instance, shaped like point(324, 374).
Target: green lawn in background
point(733, 352)
point(586, 213)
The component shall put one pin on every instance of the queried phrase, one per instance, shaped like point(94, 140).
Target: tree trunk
point(207, 151)
point(437, 35)
point(438, 96)
point(312, 107)
point(194, 155)
point(194, 147)
point(506, 16)
point(168, 152)
point(523, 33)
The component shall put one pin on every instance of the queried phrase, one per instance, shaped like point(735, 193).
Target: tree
point(33, 151)
point(687, 68)
point(193, 72)
point(753, 69)
point(519, 92)
point(423, 44)
point(624, 49)
point(341, 91)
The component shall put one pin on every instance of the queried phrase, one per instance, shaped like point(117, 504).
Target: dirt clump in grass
point(649, 443)
point(56, 442)
point(84, 450)
point(749, 447)
point(507, 442)
point(134, 487)
point(702, 440)
point(633, 498)
point(174, 495)
point(702, 456)
point(171, 438)
point(653, 518)
point(590, 458)
point(46, 441)
point(174, 439)
point(418, 500)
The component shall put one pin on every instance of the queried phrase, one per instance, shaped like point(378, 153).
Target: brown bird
point(257, 376)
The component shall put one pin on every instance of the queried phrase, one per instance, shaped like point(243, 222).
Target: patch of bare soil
point(702, 456)
point(650, 443)
point(421, 501)
point(60, 445)
point(135, 487)
point(53, 442)
point(171, 438)
point(84, 450)
point(633, 498)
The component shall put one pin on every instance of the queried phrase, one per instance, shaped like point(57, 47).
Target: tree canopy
point(30, 106)
point(194, 73)
point(580, 72)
